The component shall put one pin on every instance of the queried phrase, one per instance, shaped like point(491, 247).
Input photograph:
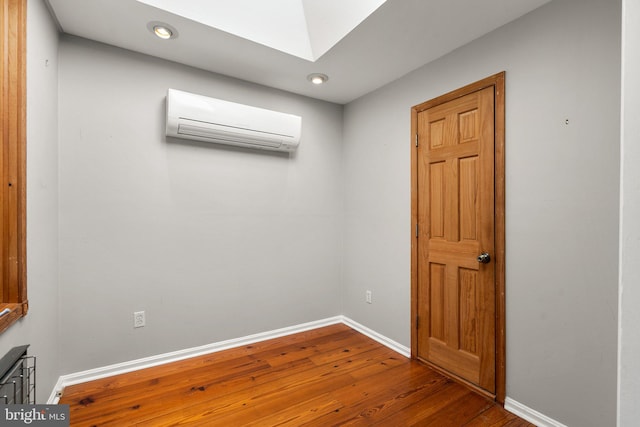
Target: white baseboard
point(529, 414)
point(397, 347)
point(511, 405)
point(161, 359)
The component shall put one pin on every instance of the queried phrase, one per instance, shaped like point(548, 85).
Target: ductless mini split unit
point(201, 118)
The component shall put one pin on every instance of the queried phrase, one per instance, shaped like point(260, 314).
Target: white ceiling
point(398, 37)
point(303, 28)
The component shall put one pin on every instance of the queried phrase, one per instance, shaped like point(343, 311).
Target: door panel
point(436, 205)
point(468, 197)
point(468, 310)
point(455, 214)
point(437, 296)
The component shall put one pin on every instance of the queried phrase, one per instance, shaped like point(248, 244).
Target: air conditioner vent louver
point(213, 120)
point(187, 131)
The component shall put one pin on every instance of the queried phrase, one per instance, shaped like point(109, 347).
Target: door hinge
point(416, 231)
point(417, 322)
point(416, 139)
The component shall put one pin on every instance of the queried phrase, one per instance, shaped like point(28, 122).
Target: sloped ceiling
point(281, 44)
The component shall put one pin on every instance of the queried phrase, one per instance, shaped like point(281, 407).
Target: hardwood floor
point(332, 376)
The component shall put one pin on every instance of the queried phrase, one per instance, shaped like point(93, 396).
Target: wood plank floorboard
point(331, 376)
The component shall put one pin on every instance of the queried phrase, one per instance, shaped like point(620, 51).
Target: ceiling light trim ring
point(317, 78)
point(162, 30)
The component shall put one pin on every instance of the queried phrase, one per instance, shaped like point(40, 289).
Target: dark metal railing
point(18, 377)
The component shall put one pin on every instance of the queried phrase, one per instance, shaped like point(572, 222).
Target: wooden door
point(455, 290)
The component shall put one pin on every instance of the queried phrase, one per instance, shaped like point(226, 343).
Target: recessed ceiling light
point(317, 78)
point(162, 30)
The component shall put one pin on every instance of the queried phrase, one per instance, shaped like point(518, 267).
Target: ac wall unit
point(191, 116)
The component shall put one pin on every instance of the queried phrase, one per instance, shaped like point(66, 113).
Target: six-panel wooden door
point(456, 294)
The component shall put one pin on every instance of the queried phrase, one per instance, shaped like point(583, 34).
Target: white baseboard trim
point(529, 414)
point(54, 397)
point(511, 405)
point(161, 359)
point(397, 347)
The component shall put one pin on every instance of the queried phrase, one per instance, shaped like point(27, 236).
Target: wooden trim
point(497, 81)
point(500, 238)
point(459, 93)
point(22, 154)
point(414, 237)
point(17, 311)
point(13, 159)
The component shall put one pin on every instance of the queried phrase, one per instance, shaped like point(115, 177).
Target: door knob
point(484, 258)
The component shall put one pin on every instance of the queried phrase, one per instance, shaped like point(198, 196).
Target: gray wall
point(212, 242)
point(629, 345)
point(170, 227)
point(562, 62)
point(40, 327)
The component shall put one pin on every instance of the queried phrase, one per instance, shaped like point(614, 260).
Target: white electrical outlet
point(367, 297)
point(138, 319)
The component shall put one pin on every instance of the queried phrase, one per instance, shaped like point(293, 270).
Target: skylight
point(304, 28)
